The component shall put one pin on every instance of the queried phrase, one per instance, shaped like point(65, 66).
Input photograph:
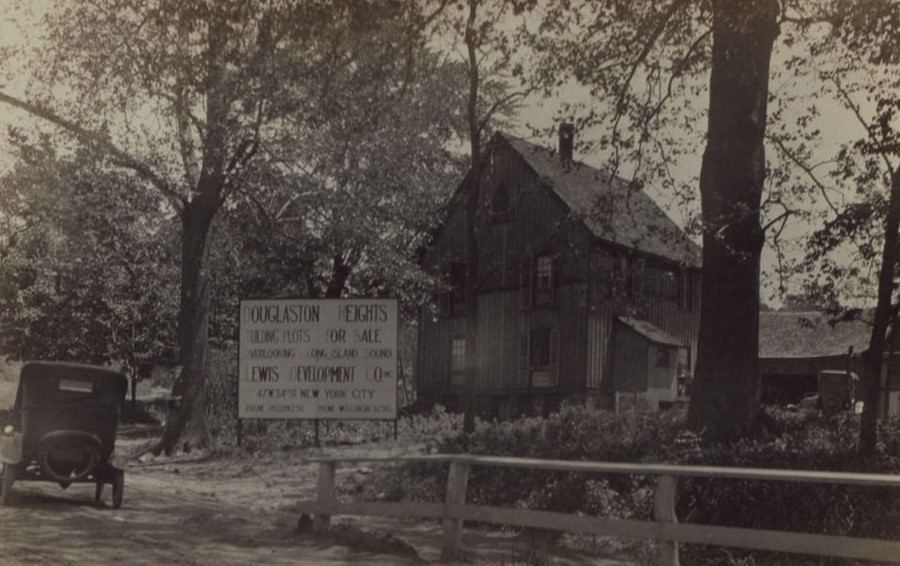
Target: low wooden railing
point(664, 528)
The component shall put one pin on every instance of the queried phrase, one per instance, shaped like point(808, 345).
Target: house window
point(500, 205)
point(453, 301)
point(543, 345)
point(664, 283)
point(458, 361)
point(543, 280)
point(540, 349)
point(538, 281)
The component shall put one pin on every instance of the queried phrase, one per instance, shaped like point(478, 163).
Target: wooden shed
point(645, 363)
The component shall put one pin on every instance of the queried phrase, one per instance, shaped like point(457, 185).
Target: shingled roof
point(609, 207)
point(650, 331)
point(793, 334)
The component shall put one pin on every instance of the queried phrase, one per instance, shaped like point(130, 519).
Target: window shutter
point(554, 356)
point(526, 282)
point(525, 358)
point(554, 267)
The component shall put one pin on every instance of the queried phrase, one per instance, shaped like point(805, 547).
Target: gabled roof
point(650, 331)
point(808, 334)
point(609, 207)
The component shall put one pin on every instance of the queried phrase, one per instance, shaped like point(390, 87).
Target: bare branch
point(783, 218)
point(499, 103)
point(101, 143)
point(644, 53)
point(786, 151)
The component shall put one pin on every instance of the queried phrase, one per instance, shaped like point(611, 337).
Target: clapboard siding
point(595, 281)
point(623, 283)
point(501, 324)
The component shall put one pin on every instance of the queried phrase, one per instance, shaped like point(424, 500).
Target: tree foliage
point(852, 257)
point(188, 95)
point(88, 270)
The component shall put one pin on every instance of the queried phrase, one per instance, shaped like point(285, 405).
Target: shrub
point(576, 432)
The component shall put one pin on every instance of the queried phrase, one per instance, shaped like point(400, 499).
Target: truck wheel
point(9, 477)
point(118, 488)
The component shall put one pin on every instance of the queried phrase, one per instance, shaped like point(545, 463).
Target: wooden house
point(570, 259)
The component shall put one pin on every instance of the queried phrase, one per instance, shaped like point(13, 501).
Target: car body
point(837, 390)
point(63, 427)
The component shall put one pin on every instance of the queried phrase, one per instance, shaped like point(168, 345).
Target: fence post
point(664, 512)
point(457, 481)
point(325, 495)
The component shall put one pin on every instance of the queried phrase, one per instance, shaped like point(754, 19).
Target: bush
point(792, 441)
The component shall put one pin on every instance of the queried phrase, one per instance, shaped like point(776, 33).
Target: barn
point(794, 346)
point(573, 262)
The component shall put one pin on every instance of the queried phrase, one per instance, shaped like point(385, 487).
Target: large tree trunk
point(874, 356)
point(725, 394)
point(186, 420)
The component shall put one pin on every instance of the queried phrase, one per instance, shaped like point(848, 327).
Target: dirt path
point(160, 523)
point(224, 511)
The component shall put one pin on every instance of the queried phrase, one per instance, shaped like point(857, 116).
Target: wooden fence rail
point(664, 527)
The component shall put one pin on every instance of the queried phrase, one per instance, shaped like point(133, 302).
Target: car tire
point(118, 489)
point(831, 404)
point(9, 477)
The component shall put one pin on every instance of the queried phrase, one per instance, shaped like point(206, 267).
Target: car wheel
point(9, 477)
point(831, 404)
point(118, 489)
point(98, 492)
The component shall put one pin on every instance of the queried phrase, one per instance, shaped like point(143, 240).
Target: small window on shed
point(663, 357)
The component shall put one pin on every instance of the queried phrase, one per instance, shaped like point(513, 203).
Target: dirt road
point(166, 519)
point(229, 510)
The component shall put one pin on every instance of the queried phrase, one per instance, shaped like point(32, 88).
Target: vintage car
point(62, 428)
point(837, 390)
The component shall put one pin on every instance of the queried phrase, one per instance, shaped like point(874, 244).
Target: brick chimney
point(566, 141)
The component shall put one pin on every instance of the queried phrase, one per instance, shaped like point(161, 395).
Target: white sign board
point(318, 359)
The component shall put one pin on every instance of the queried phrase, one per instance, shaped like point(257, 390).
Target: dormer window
point(501, 209)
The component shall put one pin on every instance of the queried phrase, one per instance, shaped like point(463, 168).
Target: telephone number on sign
point(374, 409)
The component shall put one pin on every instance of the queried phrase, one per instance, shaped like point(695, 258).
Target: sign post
point(319, 359)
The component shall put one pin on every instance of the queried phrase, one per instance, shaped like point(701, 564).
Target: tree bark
point(874, 356)
point(725, 394)
point(186, 420)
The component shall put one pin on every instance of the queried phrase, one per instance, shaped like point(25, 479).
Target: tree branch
point(848, 101)
point(508, 99)
point(786, 151)
point(102, 144)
